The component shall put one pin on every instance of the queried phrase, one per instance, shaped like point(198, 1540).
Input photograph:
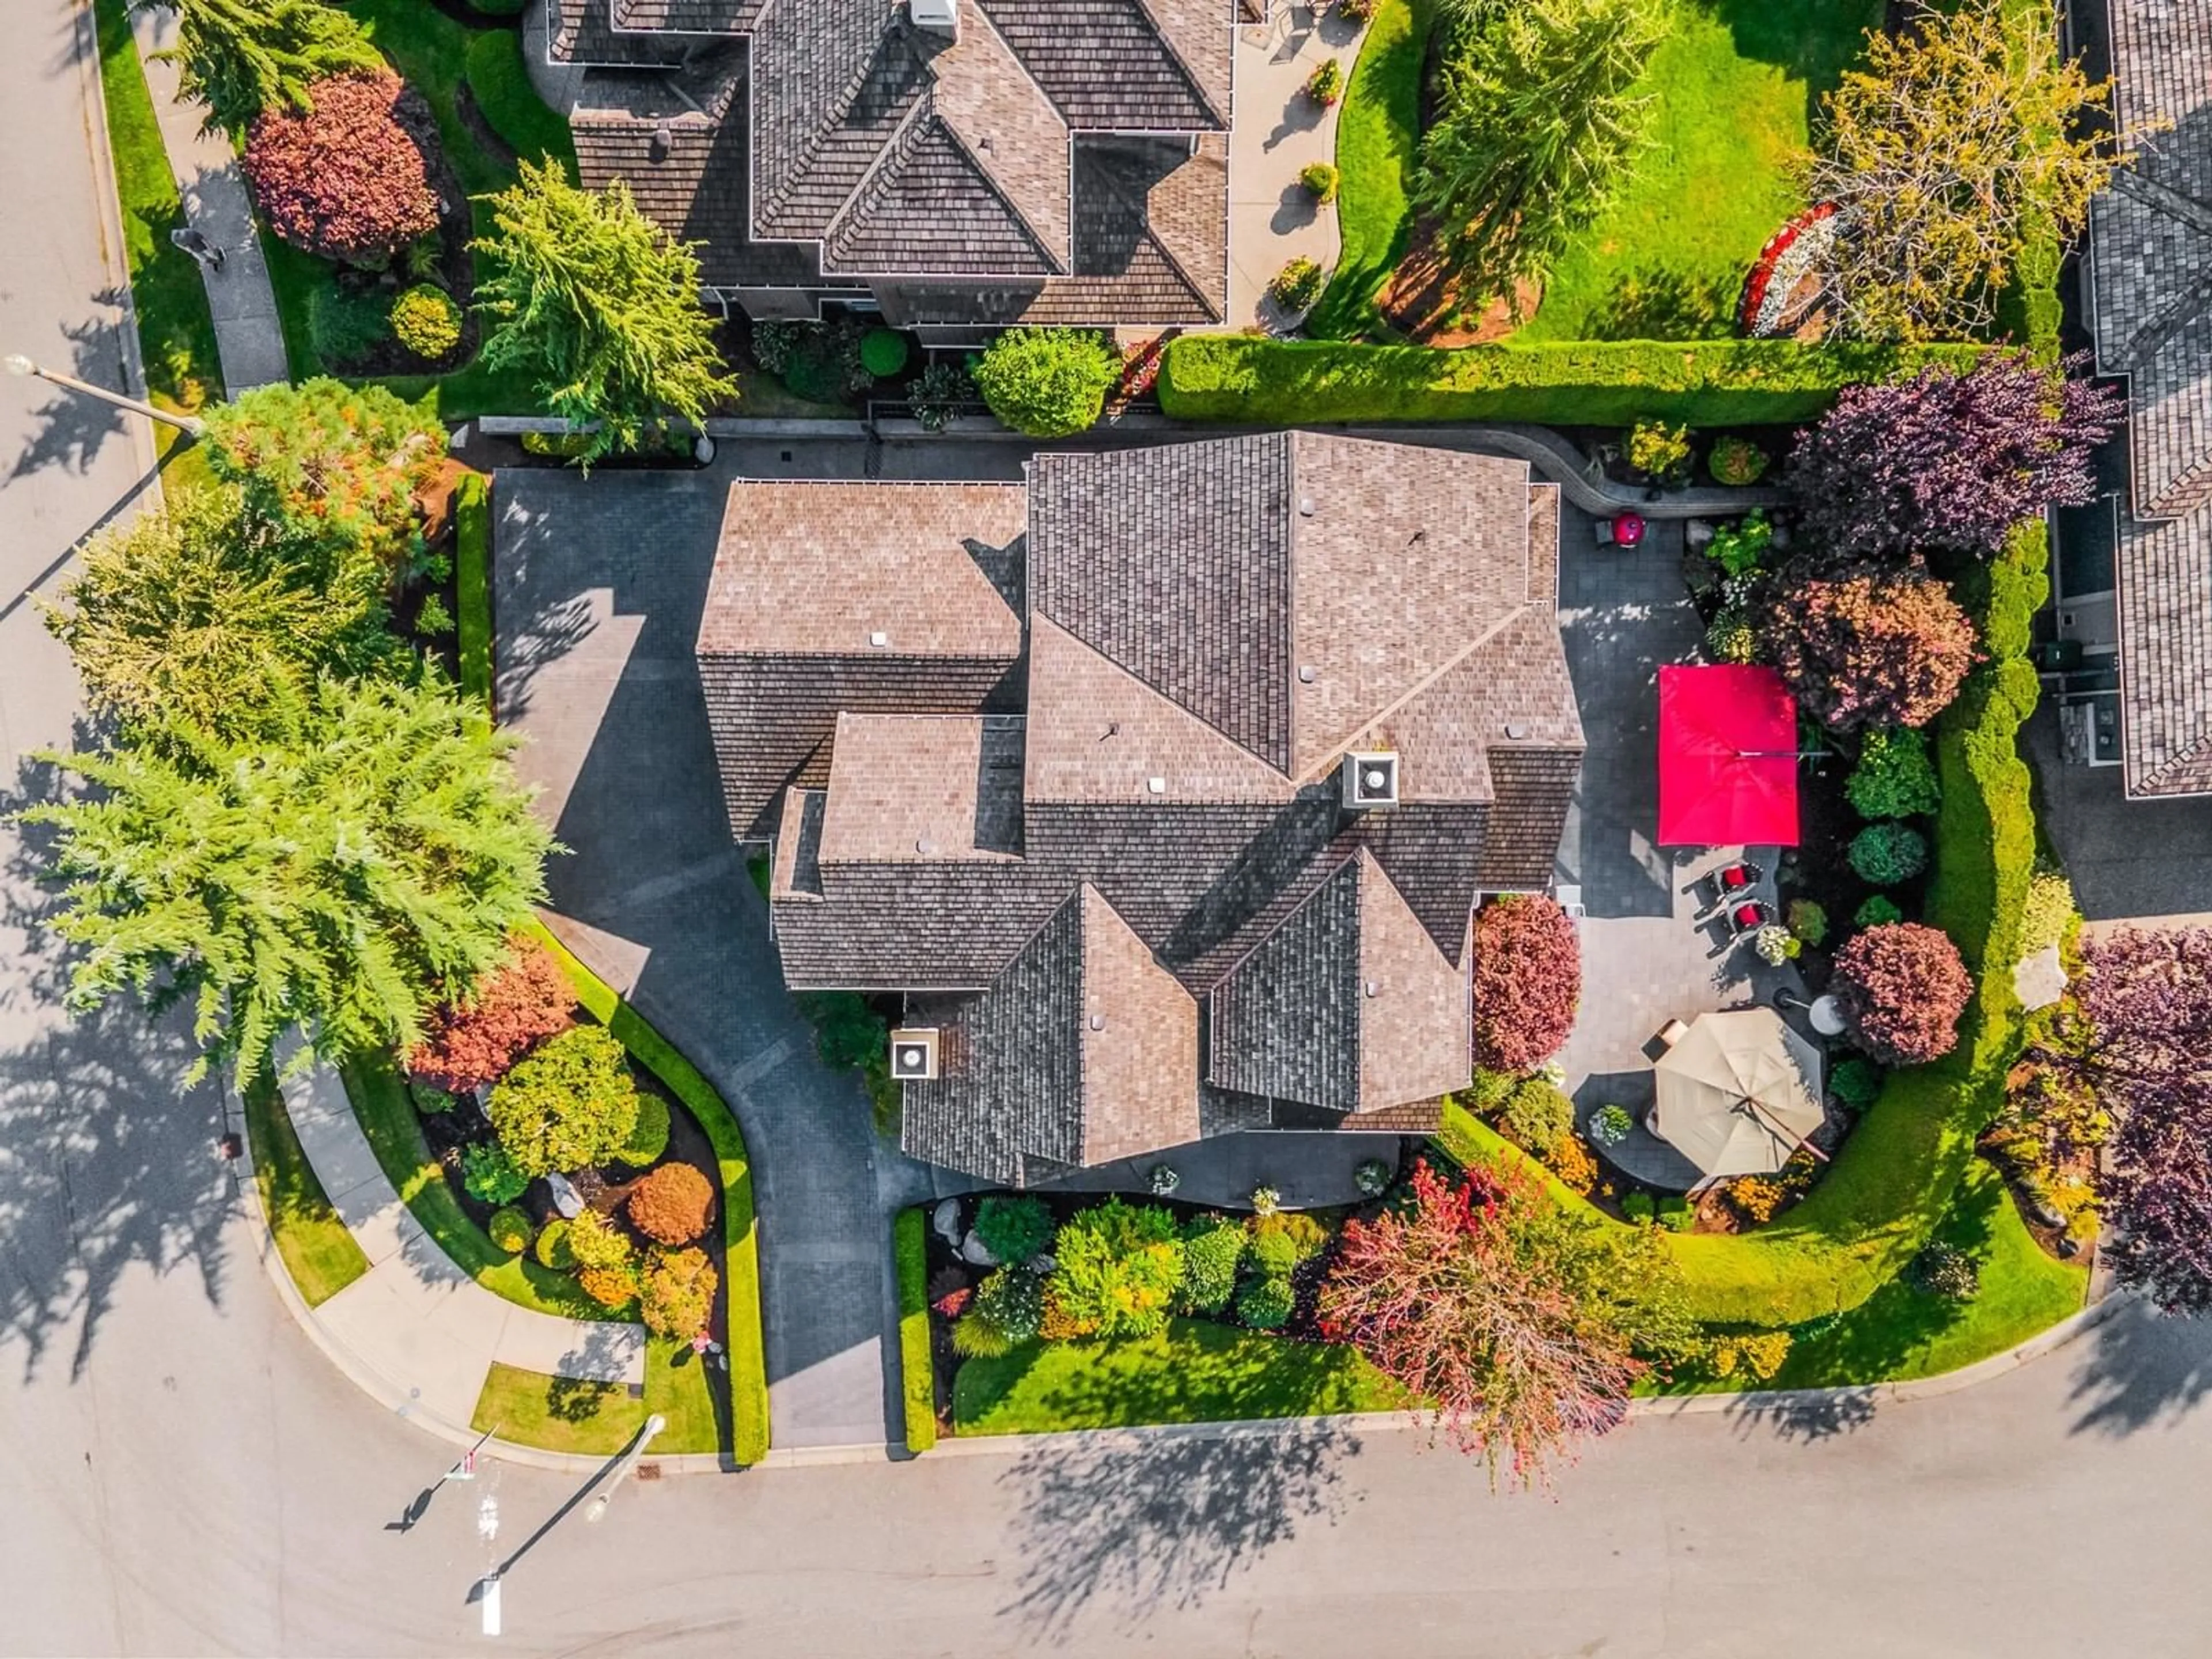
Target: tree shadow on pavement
point(2140, 1370)
point(1139, 1527)
point(107, 1162)
point(1808, 1415)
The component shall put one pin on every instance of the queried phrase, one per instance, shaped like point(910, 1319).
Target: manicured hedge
point(748, 1353)
point(917, 1376)
point(472, 582)
point(1245, 378)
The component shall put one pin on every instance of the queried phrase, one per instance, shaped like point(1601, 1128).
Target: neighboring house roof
point(1204, 641)
point(1082, 1051)
point(2150, 238)
point(1025, 155)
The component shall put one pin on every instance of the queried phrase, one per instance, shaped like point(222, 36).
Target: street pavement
point(182, 1473)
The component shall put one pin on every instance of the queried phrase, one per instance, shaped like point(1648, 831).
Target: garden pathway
point(416, 1322)
point(249, 335)
point(1272, 218)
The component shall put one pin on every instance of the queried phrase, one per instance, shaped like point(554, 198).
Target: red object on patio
point(1728, 757)
point(1628, 529)
point(1747, 916)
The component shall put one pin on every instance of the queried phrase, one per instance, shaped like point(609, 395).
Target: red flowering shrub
point(348, 179)
point(1528, 981)
point(1872, 650)
point(1902, 988)
point(671, 1204)
point(516, 1006)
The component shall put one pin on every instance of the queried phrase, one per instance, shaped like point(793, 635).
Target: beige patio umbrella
point(1739, 1093)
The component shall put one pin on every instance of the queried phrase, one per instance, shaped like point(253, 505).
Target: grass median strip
point(917, 1374)
point(317, 1249)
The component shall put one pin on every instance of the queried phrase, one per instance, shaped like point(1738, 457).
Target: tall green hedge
point(472, 582)
point(1245, 378)
point(917, 1374)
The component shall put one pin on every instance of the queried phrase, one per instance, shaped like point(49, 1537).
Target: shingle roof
point(938, 856)
point(1082, 1051)
point(2151, 247)
point(914, 154)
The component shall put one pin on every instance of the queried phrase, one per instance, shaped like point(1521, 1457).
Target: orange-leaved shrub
point(516, 1006)
point(671, 1205)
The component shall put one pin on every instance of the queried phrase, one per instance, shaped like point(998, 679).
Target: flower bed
point(1775, 293)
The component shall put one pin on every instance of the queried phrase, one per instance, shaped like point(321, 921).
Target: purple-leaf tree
point(2148, 999)
point(1949, 461)
point(1902, 988)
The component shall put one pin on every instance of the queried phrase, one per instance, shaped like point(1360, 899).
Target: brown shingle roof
point(917, 786)
point(1105, 65)
point(2150, 243)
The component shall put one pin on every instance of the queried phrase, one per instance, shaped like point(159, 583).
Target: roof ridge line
point(1317, 773)
point(1182, 274)
point(1183, 64)
point(881, 168)
point(1334, 871)
point(1005, 199)
point(839, 107)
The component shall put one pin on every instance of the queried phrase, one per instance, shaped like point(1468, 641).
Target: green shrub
point(2049, 909)
point(509, 1230)
point(1857, 1082)
point(1325, 84)
point(1281, 1241)
point(1878, 911)
point(1212, 1249)
point(1047, 382)
point(1946, 1271)
point(1675, 1215)
point(1808, 920)
point(1008, 1310)
point(1538, 1116)
point(1731, 638)
point(1739, 549)
point(1659, 449)
point(1487, 1090)
point(1320, 179)
point(1610, 1124)
point(1014, 1229)
point(1120, 1266)
point(552, 1247)
point(345, 326)
point(1638, 1207)
point(1265, 1304)
point(425, 320)
point(1297, 284)
point(429, 1100)
point(1736, 461)
point(472, 583)
point(432, 619)
point(1888, 853)
point(648, 1138)
point(937, 397)
point(1253, 380)
point(1894, 778)
point(569, 1103)
point(883, 352)
point(596, 1242)
point(490, 1174)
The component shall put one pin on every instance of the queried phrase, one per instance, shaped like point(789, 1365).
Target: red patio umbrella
point(1728, 757)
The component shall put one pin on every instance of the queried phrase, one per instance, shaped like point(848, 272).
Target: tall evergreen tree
point(1536, 127)
point(205, 610)
point(602, 306)
point(241, 56)
point(360, 861)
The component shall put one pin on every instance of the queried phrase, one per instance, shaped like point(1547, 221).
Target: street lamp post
point(16, 363)
point(654, 1424)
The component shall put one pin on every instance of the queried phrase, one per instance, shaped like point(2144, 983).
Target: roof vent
point(663, 140)
point(938, 16)
point(1156, 785)
point(1305, 506)
point(1515, 730)
point(1097, 1022)
point(879, 638)
point(1308, 674)
point(914, 1055)
point(1372, 987)
point(1370, 780)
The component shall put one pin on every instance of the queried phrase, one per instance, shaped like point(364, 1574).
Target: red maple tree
point(516, 1006)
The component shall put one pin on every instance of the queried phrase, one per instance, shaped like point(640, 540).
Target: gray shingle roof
point(2150, 241)
point(930, 207)
point(928, 854)
point(686, 16)
point(1105, 65)
point(582, 32)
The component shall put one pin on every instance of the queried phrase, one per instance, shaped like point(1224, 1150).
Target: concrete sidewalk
point(416, 1320)
point(249, 335)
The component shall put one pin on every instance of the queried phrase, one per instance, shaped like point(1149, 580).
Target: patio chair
point(1672, 1033)
point(1737, 880)
point(1748, 916)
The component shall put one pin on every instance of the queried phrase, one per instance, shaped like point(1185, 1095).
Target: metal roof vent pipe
point(1370, 780)
point(938, 16)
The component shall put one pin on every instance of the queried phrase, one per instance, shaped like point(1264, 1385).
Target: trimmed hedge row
point(1896, 1176)
point(917, 1375)
point(1247, 378)
point(748, 1353)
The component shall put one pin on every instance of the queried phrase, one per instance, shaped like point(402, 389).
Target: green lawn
point(1899, 1333)
point(917, 1372)
point(1376, 152)
point(1733, 86)
point(676, 1386)
point(317, 1250)
point(176, 334)
point(1192, 1373)
point(558, 1414)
